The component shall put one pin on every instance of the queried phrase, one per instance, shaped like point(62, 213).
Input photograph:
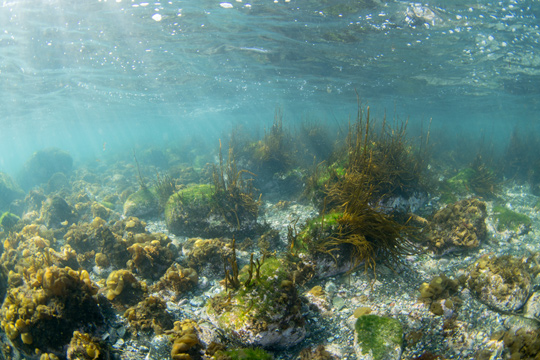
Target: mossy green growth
point(460, 182)
point(8, 220)
point(261, 299)
point(508, 219)
point(193, 193)
point(190, 196)
point(378, 335)
point(315, 228)
point(140, 203)
point(244, 354)
point(108, 205)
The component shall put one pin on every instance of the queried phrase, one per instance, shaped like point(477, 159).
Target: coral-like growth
point(440, 288)
point(503, 282)
point(47, 307)
point(185, 340)
point(85, 347)
point(176, 280)
point(458, 226)
point(124, 289)
point(149, 315)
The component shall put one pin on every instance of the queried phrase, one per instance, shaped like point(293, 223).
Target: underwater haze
point(81, 74)
point(269, 179)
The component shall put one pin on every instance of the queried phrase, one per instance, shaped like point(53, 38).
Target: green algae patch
point(314, 229)
point(244, 354)
point(457, 185)
point(510, 220)
point(195, 193)
point(380, 336)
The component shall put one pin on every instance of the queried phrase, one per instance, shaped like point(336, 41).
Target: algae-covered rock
point(263, 310)
point(56, 213)
point(503, 282)
point(378, 338)
point(84, 346)
point(458, 226)
point(42, 165)
point(8, 221)
point(57, 182)
point(188, 211)
point(9, 191)
point(141, 203)
point(47, 307)
point(151, 254)
point(149, 315)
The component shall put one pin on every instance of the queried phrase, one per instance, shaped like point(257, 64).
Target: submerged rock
point(378, 338)
point(56, 213)
point(141, 203)
point(43, 164)
point(458, 226)
point(9, 191)
point(503, 282)
point(264, 313)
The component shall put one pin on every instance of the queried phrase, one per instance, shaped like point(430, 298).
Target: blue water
point(103, 76)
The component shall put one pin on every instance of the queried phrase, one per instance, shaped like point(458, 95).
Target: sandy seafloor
point(387, 292)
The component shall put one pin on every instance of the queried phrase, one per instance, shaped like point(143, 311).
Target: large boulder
point(42, 165)
point(9, 191)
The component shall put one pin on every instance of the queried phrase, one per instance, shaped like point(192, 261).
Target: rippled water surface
point(140, 69)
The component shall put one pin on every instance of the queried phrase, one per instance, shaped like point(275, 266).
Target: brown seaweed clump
point(83, 346)
point(176, 280)
point(522, 343)
point(440, 291)
point(123, 289)
point(376, 167)
point(206, 255)
point(97, 237)
point(233, 195)
point(149, 315)
point(185, 340)
point(458, 226)
point(47, 307)
point(151, 255)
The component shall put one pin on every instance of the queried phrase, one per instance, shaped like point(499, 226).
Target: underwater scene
point(269, 179)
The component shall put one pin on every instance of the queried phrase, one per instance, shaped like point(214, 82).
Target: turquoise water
point(89, 76)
